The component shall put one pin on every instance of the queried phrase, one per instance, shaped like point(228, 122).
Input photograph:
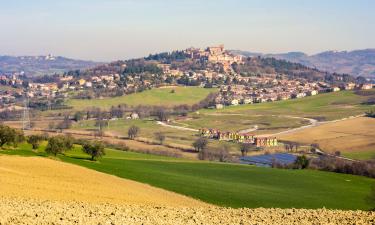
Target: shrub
point(301, 162)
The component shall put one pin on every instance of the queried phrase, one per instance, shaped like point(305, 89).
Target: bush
point(301, 162)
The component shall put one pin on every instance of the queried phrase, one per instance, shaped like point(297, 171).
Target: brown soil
point(28, 211)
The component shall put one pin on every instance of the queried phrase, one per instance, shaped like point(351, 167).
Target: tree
point(18, 137)
point(78, 116)
point(10, 136)
point(160, 137)
point(245, 148)
point(133, 132)
point(161, 114)
point(34, 140)
point(301, 162)
point(200, 144)
point(59, 144)
point(94, 149)
point(101, 124)
point(51, 125)
point(224, 153)
point(65, 124)
point(55, 145)
point(68, 142)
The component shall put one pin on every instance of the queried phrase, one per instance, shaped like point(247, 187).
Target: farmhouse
point(265, 141)
point(237, 137)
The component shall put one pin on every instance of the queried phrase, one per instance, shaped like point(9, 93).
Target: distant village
point(210, 67)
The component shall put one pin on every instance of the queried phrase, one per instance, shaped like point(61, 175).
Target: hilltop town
point(242, 80)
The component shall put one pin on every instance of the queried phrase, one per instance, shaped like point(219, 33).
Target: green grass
point(328, 106)
point(227, 122)
point(229, 184)
point(156, 96)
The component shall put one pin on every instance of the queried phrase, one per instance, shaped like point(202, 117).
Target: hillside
point(167, 96)
point(230, 185)
point(41, 65)
point(356, 63)
point(352, 137)
point(39, 177)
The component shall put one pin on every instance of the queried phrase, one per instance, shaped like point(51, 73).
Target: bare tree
point(200, 144)
point(224, 153)
point(133, 132)
point(160, 137)
point(245, 148)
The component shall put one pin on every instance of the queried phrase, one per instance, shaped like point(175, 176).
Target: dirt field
point(27, 211)
point(44, 191)
point(346, 136)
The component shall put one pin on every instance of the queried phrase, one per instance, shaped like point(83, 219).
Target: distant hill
point(356, 63)
point(41, 65)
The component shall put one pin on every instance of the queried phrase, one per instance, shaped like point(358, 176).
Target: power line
point(26, 124)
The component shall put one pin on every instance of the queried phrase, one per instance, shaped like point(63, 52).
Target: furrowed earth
point(37, 190)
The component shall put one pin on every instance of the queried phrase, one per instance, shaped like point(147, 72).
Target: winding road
point(312, 123)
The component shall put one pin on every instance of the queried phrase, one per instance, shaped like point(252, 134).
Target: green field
point(229, 184)
point(328, 106)
point(156, 96)
point(228, 122)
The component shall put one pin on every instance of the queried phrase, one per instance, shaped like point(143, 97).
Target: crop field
point(156, 96)
point(354, 138)
point(228, 184)
point(328, 106)
point(40, 178)
point(238, 122)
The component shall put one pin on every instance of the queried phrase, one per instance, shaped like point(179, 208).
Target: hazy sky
point(119, 29)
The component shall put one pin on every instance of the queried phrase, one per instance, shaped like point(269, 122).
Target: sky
point(105, 30)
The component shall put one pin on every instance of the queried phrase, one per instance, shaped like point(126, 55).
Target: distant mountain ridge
point(356, 63)
point(41, 65)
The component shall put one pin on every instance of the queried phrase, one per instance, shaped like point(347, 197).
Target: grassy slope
point(330, 106)
point(240, 122)
point(156, 96)
point(228, 184)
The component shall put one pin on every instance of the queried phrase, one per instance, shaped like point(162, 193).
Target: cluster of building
point(215, 54)
point(273, 88)
point(238, 137)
